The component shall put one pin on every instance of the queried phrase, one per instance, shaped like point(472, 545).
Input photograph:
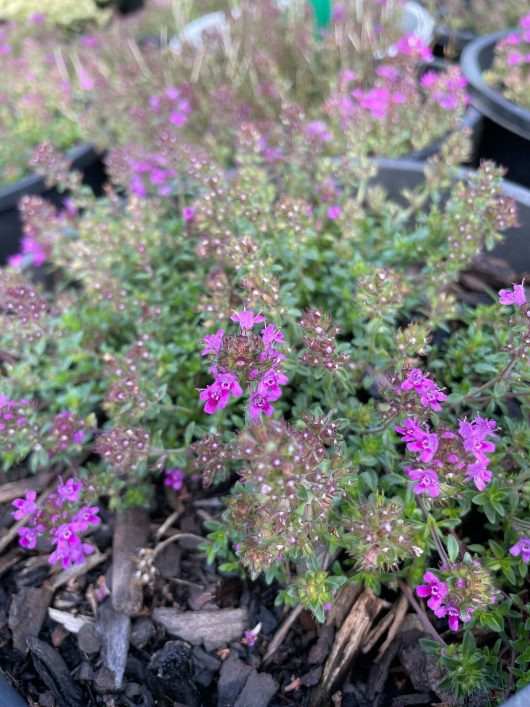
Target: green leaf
point(452, 548)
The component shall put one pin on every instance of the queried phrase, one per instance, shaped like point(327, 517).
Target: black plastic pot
point(128, 6)
point(84, 158)
point(396, 175)
point(506, 134)
point(449, 44)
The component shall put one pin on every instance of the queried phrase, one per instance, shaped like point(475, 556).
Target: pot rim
point(80, 156)
point(488, 101)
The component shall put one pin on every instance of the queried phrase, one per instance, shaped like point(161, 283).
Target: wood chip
point(16, 489)
point(113, 627)
point(212, 628)
point(130, 534)
point(27, 613)
point(71, 623)
point(347, 643)
point(53, 671)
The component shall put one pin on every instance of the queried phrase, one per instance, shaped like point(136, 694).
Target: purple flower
point(334, 212)
point(217, 394)
point(247, 319)
point(317, 129)
point(517, 296)
point(480, 474)
point(432, 396)
point(269, 385)
point(214, 398)
point(85, 516)
point(259, 404)
point(28, 537)
point(70, 549)
point(271, 336)
point(188, 213)
point(229, 384)
point(454, 615)
point(213, 343)
point(474, 436)
point(435, 589)
point(521, 547)
point(427, 479)
point(419, 440)
point(413, 46)
point(174, 478)
point(70, 491)
point(415, 380)
point(25, 506)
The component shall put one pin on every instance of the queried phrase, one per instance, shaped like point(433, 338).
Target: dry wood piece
point(392, 620)
point(114, 629)
point(347, 643)
point(213, 628)
point(401, 608)
point(348, 593)
point(27, 613)
point(52, 669)
point(67, 575)
point(130, 534)
point(71, 623)
point(281, 633)
point(15, 489)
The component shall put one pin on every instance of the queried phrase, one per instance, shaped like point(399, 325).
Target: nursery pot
point(506, 134)
point(128, 6)
point(82, 157)
point(396, 175)
point(449, 44)
point(9, 697)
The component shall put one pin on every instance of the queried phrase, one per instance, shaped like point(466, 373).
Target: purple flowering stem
point(437, 541)
point(420, 612)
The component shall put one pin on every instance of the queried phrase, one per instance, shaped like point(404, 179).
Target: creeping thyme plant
point(510, 71)
point(294, 331)
point(37, 100)
point(478, 16)
point(358, 83)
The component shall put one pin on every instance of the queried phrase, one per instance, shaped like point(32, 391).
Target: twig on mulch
point(281, 633)
point(130, 535)
point(401, 608)
point(76, 570)
point(347, 643)
point(420, 612)
point(15, 489)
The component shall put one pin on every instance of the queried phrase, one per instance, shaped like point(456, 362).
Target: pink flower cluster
point(446, 88)
point(152, 174)
point(67, 430)
point(174, 478)
point(246, 359)
point(410, 45)
point(13, 416)
point(516, 296)
point(437, 592)
point(173, 104)
point(58, 522)
point(521, 548)
point(427, 390)
point(449, 453)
